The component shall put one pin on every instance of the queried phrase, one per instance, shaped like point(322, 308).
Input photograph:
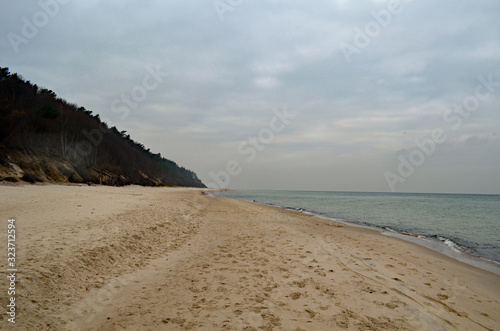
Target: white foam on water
point(450, 244)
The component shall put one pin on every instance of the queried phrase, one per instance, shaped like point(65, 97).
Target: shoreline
point(421, 241)
point(431, 243)
point(427, 242)
point(96, 257)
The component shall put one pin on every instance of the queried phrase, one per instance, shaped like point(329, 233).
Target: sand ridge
point(176, 259)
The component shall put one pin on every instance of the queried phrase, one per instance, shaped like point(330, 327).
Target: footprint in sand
point(391, 305)
point(442, 296)
point(311, 313)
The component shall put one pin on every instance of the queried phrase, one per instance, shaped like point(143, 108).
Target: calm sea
point(458, 224)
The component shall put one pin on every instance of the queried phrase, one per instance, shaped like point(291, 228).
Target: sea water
point(459, 225)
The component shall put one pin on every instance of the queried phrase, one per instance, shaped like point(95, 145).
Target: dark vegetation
point(46, 138)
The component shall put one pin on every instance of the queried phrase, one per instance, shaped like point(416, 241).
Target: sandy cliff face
point(29, 167)
point(19, 166)
point(26, 166)
point(44, 138)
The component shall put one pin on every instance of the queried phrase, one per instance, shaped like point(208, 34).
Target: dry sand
point(135, 258)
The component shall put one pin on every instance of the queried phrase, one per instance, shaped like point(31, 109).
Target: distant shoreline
point(427, 242)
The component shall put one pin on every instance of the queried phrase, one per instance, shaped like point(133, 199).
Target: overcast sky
point(317, 95)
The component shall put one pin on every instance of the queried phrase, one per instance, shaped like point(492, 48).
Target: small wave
point(451, 245)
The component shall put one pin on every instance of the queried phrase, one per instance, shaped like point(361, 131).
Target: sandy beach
point(141, 258)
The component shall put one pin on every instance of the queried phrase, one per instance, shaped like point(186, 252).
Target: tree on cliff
point(35, 120)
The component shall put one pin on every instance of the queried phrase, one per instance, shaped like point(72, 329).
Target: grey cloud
point(227, 76)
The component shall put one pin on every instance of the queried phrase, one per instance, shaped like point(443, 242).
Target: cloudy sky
point(318, 95)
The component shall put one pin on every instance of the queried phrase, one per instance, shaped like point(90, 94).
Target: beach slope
point(138, 258)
